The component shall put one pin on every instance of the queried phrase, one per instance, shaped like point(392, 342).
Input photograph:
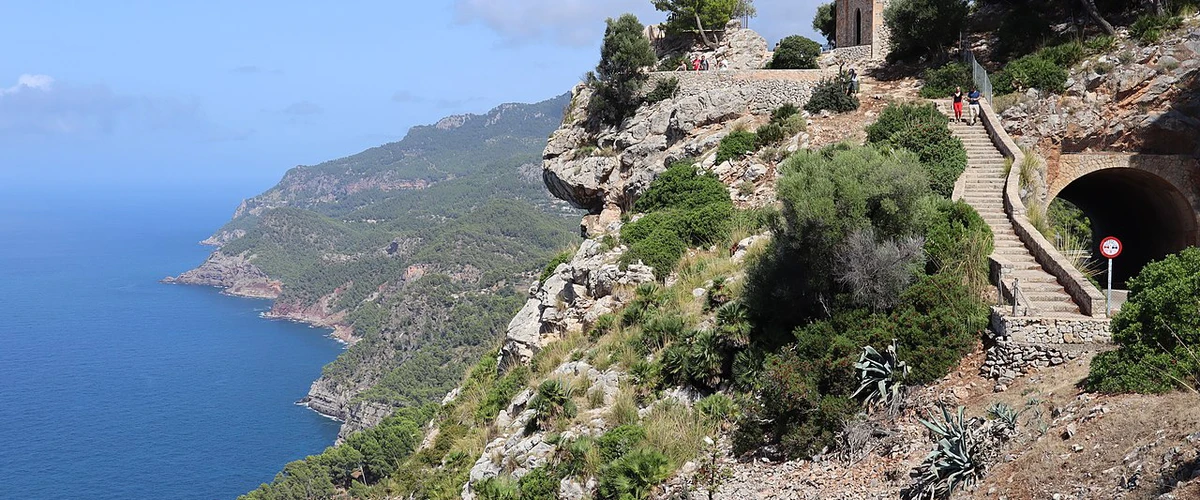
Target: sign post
point(1110, 248)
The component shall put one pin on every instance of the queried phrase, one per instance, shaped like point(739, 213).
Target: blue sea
point(114, 386)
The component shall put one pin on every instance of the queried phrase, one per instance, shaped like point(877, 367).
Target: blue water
point(113, 385)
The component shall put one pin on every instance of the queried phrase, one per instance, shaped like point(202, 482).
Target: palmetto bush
point(553, 400)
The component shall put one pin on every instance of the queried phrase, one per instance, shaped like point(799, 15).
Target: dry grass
point(677, 431)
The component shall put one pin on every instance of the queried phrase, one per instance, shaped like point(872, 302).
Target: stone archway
point(1149, 202)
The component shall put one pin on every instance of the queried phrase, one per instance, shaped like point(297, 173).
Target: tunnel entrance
point(1148, 214)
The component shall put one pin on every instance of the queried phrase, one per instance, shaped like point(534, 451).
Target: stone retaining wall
point(1007, 361)
point(1049, 330)
point(853, 54)
point(769, 88)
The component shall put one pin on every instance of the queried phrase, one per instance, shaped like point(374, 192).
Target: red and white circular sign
point(1111, 247)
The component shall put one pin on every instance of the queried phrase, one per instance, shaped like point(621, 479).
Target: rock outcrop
point(570, 299)
point(234, 273)
point(1141, 99)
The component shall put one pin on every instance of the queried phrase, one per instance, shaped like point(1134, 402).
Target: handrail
point(1018, 296)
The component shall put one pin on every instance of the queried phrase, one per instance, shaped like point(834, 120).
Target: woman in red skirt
point(958, 98)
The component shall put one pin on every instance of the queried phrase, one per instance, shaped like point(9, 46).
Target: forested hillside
point(417, 251)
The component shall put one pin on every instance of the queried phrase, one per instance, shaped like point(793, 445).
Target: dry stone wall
point(1051, 330)
point(763, 90)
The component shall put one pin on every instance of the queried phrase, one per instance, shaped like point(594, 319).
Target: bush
point(1149, 27)
point(924, 130)
point(683, 208)
point(876, 272)
point(562, 258)
point(784, 112)
point(796, 52)
point(1100, 44)
point(737, 144)
point(941, 82)
point(634, 475)
point(1031, 71)
point(1157, 329)
point(830, 94)
point(552, 400)
point(618, 442)
point(1065, 55)
point(540, 483)
point(666, 88)
point(958, 242)
point(824, 197)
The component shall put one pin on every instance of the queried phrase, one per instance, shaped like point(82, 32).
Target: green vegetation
point(924, 130)
point(561, 258)
point(682, 208)
point(825, 21)
point(736, 144)
point(796, 52)
point(830, 94)
point(367, 457)
point(699, 16)
point(1045, 69)
point(941, 82)
point(1149, 27)
point(830, 199)
point(923, 28)
point(1158, 331)
point(665, 89)
point(619, 77)
point(954, 463)
point(1022, 30)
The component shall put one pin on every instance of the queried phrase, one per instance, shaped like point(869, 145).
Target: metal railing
point(1018, 297)
point(978, 75)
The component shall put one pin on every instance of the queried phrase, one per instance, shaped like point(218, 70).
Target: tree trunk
point(1090, 7)
point(703, 35)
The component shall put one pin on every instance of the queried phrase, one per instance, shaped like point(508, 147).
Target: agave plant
point(1004, 413)
point(881, 376)
point(954, 461)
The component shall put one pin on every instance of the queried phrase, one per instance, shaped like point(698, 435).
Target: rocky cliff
point(233, 273)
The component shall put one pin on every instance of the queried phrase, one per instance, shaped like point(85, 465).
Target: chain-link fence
point(979, 75)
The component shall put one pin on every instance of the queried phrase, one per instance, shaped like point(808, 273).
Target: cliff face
point(1134, 98)
point(409, 251)
point(604, 171)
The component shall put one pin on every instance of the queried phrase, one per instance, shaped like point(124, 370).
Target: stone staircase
point(984, 190)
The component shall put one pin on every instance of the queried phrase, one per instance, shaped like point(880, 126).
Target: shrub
point(1064, 55)
point(540, 483)
point(499, 395)
point(683, 208)
point(954, 462)
point(796, 52)
point(618, 79)
point(562, 258)
point(881, 376)
point(716, 408)
point(634, 475)
point(553, 400)
point(769, 135)
point(1032, 71)
point(876, 272)
point(618, 442)
point(682, 186)
point(784, 112)
point(666, 88)
point(603, 324)
point(825, 196)
point(1157, 329)
point(735, 145)
point(497, 488)
point(958, 242)
point(830, 94)
point(941, 82)
point(924, 130)
point(1149, 27)
point(1100, 44)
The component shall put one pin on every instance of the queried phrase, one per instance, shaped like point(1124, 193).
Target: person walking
point(704, 64)
point(696, 64)
point(973, 102)
point(853, 89)
point(958, 102)
point(722, 65)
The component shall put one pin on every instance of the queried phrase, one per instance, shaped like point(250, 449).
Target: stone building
point(861, 29)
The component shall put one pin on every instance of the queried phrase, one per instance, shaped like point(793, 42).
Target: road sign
point(1111, 247)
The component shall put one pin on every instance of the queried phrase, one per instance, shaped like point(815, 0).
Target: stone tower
point(860, 26)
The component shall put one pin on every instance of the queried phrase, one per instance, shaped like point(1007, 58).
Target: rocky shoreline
point(236, 276)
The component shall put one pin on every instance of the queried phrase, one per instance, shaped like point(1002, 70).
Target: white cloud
point(41, 105)
point(571, 22)
point(32, 82)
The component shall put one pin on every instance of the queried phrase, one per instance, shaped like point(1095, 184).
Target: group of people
point(700, 63)
point(972, 103)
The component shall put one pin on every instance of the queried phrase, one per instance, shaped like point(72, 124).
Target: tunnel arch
point(1149, 214)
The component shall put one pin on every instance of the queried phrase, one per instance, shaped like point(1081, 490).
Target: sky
point(219, 93)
